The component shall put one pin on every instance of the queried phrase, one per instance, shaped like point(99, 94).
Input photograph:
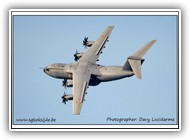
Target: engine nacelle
point(77, 55)
point(69, 84)
point(87, 43)
point(68, 97)
point(90, 43)
point(65, 98)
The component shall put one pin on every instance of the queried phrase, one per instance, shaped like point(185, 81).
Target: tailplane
point(135, 61)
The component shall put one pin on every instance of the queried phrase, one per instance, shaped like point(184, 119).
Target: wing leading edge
point(95, 50)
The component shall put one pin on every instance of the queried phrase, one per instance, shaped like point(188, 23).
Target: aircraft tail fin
point(135, 61)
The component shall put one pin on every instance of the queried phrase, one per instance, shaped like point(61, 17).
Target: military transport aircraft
point(85, 72)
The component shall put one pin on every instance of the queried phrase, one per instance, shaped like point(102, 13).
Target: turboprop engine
point(78, 55)
point(67, 83)
point(87, 43)
point(66, 97)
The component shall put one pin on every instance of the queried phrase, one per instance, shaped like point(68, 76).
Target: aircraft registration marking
point(102, 36)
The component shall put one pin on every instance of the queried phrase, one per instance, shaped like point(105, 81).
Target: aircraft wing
point(95, 50)
point(82, 74)
point(81, 79)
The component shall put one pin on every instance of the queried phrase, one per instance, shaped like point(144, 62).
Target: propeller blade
point(64, 82)
point(76, 58)
point(76, 53)
point(85, 46)
point(64, 100)
point(85, 41)
point(64, 93)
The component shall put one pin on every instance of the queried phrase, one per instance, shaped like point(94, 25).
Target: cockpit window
point(47, 70)
point(58, 65)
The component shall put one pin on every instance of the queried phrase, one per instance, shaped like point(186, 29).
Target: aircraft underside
point(85, 72)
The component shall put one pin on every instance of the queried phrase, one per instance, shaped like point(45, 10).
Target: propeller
point(75, 56)
point(85, 41)
point(64, 82)
point(64, 100)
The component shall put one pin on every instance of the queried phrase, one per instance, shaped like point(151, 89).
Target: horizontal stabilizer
point(136, 67)
point(134, 62)
point(140, 53)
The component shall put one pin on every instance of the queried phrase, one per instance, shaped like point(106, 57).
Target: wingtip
point(111, 26)
point(76, 113)
point(153, 41)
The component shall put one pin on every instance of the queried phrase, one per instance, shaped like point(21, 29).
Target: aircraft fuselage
point(99, 73)
point(85, 72)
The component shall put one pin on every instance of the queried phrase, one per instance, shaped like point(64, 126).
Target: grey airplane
point(85, 72)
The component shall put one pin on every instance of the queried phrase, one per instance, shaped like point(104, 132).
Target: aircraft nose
point(46, 70)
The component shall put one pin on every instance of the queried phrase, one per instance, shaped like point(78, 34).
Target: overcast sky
point(43, 40)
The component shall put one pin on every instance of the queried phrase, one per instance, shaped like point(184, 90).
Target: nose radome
point(46, 69)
